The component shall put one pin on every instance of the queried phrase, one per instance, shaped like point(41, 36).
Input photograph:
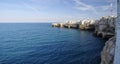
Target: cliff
point(105, 27)
point(87, 24)
point(107, 55)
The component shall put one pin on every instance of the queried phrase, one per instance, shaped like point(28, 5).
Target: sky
point(54, 10)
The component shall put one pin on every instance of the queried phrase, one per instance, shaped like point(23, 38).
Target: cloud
point(108, 8)
point(84, 7)
point(99, 9)
point(30, 7)
point(104, 8)
point(46, 1)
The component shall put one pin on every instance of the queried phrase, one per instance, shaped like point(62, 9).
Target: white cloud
point(104, 7)
point(84, 7)
point(101, 9)
point(30, 7)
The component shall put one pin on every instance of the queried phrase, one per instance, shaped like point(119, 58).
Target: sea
point(40, 43)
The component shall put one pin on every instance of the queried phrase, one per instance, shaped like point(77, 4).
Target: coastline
point(104, 28)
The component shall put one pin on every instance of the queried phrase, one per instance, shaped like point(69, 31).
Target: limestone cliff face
point(107, 55)
point(87, 24)
point(105, 27)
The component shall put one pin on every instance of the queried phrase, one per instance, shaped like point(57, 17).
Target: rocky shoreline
point(105, 28)
point(107, 55)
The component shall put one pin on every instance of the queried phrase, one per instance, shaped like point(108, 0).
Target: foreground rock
point(107, 55)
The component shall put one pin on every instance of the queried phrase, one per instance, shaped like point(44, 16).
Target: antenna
point(111, 8)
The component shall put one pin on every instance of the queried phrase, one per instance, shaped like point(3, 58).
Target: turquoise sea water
point(39, 43)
